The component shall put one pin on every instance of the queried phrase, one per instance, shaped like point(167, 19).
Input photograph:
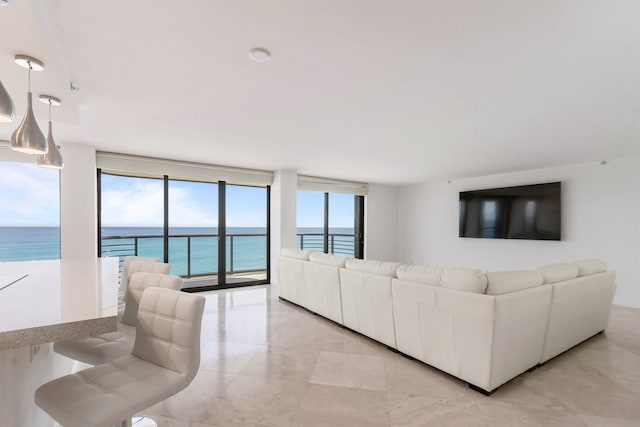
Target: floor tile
point(332, 406)
point(294, 364)
point(226, 356)
point(593, 421)
point(495, 413)
point(431, 411)
point(350, 370)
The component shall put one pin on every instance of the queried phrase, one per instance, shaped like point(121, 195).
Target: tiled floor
point(266, 362)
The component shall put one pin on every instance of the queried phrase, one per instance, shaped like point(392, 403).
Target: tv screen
point(523, 212)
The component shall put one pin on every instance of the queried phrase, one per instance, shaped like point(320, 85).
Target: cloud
point(29, 195)
point(132, 202)
point(140, 202)
point(189, 209)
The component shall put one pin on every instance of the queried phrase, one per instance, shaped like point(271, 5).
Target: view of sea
point(249, 245)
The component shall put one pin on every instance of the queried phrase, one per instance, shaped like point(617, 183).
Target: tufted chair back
point(138, 282)
point(168, 330)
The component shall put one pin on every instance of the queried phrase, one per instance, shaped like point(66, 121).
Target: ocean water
point(192, 250)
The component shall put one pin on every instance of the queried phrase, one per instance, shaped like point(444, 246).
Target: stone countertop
point(55, 300)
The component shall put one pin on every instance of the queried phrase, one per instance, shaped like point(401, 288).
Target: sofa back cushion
point(380, 268)
point(327, 259)
point(295, 253)
point(590, 266)
point(503, 282)
point(420, 273)
point(463, 279)
point(560, 272)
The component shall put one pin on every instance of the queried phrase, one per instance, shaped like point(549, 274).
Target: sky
point(29, 195)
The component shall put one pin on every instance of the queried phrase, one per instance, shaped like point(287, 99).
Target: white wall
point(381, 223)
point(78, 206)
point(283, 215)
point(600, 219)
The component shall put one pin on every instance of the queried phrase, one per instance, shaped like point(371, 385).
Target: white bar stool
point(104, 348)
point(164, 360)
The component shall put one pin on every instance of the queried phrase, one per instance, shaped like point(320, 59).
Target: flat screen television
point(524, 212)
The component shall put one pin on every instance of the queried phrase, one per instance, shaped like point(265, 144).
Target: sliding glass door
point(193, 228)
point(246, 233)
point(213, 234)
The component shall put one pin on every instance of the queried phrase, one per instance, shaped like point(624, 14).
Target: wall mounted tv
point(524, 212)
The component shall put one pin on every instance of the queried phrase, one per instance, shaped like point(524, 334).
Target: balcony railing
point(338, 243)
point(193, 255)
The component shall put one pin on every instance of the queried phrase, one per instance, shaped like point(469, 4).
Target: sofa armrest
point(492, 338)
point(580, 308)
point(519, 332)
point(292, 285)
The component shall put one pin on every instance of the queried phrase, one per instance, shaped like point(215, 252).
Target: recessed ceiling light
point(4, 2)
point(259, 54)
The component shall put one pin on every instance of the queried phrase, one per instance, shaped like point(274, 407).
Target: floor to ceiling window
point(131, 216)
point(29, 212)
point(213, 234)
point(310, 220)
point(330, 222)
point(246, 232)
point(341, 218)
point(193, 228)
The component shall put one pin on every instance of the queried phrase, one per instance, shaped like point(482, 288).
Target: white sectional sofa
point(484, 328)
point(367, 305)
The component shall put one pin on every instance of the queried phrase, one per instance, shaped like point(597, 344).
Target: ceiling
point(369, 90)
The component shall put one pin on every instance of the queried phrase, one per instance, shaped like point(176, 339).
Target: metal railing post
point(188, 256)
point(231, 254)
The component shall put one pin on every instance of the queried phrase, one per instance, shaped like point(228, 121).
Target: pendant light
point(53, 158)
point(7, 109)
point(28, 138)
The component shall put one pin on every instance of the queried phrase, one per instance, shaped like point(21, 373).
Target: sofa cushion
point(503, 282)
point(463, 279)
point(380, 268)
point(590, 266)
point(295, 253)
point(560, 272)
point(327, 259)
point(420, 273)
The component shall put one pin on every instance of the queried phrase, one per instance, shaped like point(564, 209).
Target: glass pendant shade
point(53, 158)
point(28, 138)
point(7, 109)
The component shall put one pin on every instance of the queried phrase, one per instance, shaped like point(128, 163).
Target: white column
point(381, 223)
point(78, 207)
point(283, 215)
